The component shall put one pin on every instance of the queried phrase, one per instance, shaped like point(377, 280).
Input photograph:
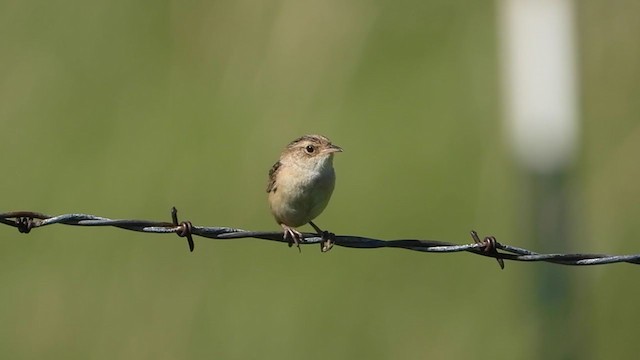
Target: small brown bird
point(301, 184)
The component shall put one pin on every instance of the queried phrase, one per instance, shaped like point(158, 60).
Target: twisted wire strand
point(25, 221)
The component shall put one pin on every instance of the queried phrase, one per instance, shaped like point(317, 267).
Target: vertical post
point(539, 87)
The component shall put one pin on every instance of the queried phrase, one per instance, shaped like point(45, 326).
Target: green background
point(125, 108)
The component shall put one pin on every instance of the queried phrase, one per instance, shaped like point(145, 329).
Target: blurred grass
point(123, 109)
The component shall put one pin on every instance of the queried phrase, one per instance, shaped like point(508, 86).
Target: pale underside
point(296, 199)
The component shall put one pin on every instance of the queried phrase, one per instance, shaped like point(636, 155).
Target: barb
point(26, 221)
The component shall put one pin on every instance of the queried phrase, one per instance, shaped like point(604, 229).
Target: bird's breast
point(301, 195)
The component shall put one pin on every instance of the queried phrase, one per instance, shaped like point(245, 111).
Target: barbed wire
point(25, 221)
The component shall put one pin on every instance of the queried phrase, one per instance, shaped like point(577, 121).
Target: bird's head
point(310, 151)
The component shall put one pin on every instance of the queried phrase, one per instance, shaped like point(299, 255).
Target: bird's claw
point(294, 237)
point(328, 239)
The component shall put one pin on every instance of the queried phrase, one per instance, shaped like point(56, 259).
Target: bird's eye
point(309, 149)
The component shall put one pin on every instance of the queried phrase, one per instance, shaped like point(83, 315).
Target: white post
point(540, 107)
point(537, 53)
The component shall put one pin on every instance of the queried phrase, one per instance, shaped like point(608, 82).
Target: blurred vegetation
point(125, 108)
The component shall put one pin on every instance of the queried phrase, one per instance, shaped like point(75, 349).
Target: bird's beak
point(333, 148)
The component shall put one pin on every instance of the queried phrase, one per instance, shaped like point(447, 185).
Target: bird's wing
point(271, 186)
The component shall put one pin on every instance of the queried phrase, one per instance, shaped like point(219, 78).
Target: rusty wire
point(25, 221)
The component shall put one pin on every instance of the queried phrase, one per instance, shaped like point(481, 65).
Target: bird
point(300, 186)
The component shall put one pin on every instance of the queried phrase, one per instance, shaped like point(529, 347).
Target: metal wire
point(25, 221)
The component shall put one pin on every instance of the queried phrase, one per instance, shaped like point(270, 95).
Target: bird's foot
point(328, 238)
point(294, 236)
